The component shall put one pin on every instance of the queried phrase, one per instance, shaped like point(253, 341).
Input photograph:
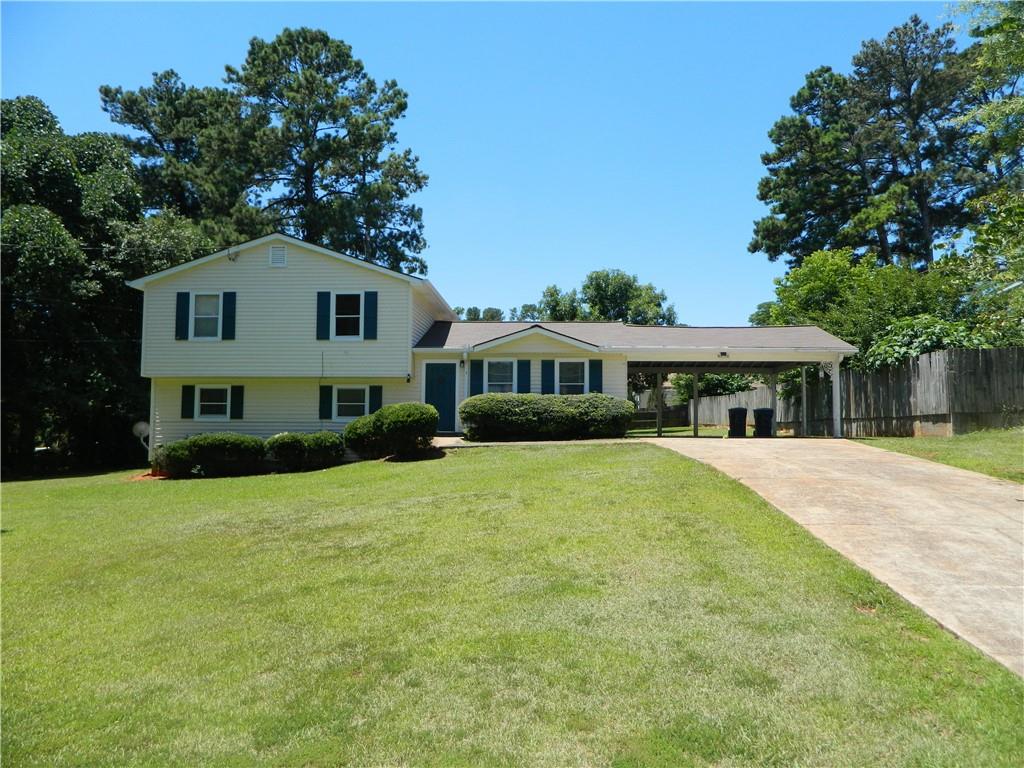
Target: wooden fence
point(940, 393)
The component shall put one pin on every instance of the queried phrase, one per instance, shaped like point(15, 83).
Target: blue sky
point(558, 138)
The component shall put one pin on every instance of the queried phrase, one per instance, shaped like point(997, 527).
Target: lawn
point(996, 452)
point(612, 605)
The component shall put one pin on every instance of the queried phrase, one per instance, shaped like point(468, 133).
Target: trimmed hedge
point(403, 429)
point(298, 451)
point(545, 417)
point(214, 454)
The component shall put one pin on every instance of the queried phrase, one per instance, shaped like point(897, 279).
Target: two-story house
point(280, 335)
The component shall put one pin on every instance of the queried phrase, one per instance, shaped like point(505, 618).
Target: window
point(350, 402)
point(500, 376)
point(279, 256)
point(347, 315)
point(206, 316)
point(212, 402)
point(572, 377)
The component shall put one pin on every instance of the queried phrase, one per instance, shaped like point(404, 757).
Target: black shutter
point(523, 376)
point(326, 406)
point(227, 323)
point(376, 397)
point(237, 401)
point(370, 315)
point(181, 308)
point(188, 401)
point(323, 315)
point(476, 377)
point(596, 376)
point(547, 377)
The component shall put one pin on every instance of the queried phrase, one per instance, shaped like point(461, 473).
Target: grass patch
point(995, 452)
point(612, 605)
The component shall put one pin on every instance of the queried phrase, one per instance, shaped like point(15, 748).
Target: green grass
point(684, 432)
point(610, 605)
point(996, 452)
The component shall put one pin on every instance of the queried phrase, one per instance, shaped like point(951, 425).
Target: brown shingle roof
point(446, 335)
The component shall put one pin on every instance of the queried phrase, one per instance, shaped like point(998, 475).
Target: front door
point(439, 391)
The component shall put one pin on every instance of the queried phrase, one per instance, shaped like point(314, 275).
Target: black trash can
point(737, 422)
point(763, 418)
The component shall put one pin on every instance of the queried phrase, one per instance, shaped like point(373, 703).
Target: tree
point(525, 313)
point(333, 175)
point(876, 161)
point(710, 384)
point(493, 314)
point(608, 294)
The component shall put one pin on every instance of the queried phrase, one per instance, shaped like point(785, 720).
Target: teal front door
point(439, 391)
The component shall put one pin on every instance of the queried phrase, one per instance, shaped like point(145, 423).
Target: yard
point(996, 452)
point(609, 605)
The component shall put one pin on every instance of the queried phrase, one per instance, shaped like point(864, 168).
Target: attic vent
point(279, 255)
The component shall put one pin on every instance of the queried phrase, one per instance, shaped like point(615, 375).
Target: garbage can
point(763, 418)
point(737, 422)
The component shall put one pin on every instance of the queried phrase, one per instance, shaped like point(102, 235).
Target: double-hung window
point(206, 316)
point(350, 402)
point(500, 376)
point(572, 377)
point(212, 402)
point(348, 317)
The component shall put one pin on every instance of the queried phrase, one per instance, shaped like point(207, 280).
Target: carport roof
point(624, 337)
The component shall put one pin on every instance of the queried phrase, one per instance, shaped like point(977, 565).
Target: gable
point(532, 343)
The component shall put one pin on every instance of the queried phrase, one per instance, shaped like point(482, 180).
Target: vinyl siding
point(423, 316)
point(276, 320)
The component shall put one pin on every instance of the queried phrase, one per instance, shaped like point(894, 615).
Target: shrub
point(287, 451)
point(213, 454)
point(324, 449)
point(363, 436)
point(394, 430)
point(544, 417)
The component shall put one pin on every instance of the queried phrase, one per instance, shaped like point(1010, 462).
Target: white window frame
point(192, 315)
point(334, 314)
point(558, 373)
point(487, 373)
point(334, 402)
point(227, 414)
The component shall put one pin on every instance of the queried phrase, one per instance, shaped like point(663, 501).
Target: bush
point(214, 454)
point(395, 430)
point(287, 451)
point(324, 449)
point(544, 417)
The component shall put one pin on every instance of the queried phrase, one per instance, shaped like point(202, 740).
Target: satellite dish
point(141, 430)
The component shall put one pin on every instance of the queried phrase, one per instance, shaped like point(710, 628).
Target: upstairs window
point(500, 375)
point(350, 402)
point(206, 316)
point(572, 377)
point(212, 402)
point(348, 315)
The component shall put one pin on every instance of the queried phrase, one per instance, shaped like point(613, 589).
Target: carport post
point(803, 401)
point(773, 387)
point(837, 400)
point(696, 404)
point(657, 399)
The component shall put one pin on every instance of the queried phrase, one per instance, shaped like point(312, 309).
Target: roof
point(614, 336)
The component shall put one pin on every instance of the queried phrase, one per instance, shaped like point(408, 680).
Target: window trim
point(227, 414)
point(487, 374)
point(334, 315)
point(558, 373)
point(334, 402)
point(192, 315)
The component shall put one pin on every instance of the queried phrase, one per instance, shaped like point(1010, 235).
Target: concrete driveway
point(950, 541)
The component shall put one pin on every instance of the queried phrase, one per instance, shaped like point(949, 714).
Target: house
point(280, 335)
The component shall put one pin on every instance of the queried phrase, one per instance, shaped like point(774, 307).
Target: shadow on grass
point(428, 454)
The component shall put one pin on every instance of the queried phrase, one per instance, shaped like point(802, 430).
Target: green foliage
point(298, 451)
point(403, 429)
point(287, 451)
point(324, 449)
point(213, 454)
point(363, 436)
point(710, 384)
point(544, 417)
point(913, 336)
point(606, 294)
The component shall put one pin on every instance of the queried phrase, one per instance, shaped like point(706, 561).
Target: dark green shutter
point(596, 376)
point(323, 315)
point(370, 315)
point(523, 376)
point(181, 308)
point(237, 401)
point(547, 377)
point(227, 323)
point(188, 401)
point(326, 396)
point(476, 377)
point(376, 397)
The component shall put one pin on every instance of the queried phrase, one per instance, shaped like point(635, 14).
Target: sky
point(559, 138)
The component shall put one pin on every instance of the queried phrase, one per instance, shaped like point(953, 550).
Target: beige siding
point(276, 320)
point(423, 316)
